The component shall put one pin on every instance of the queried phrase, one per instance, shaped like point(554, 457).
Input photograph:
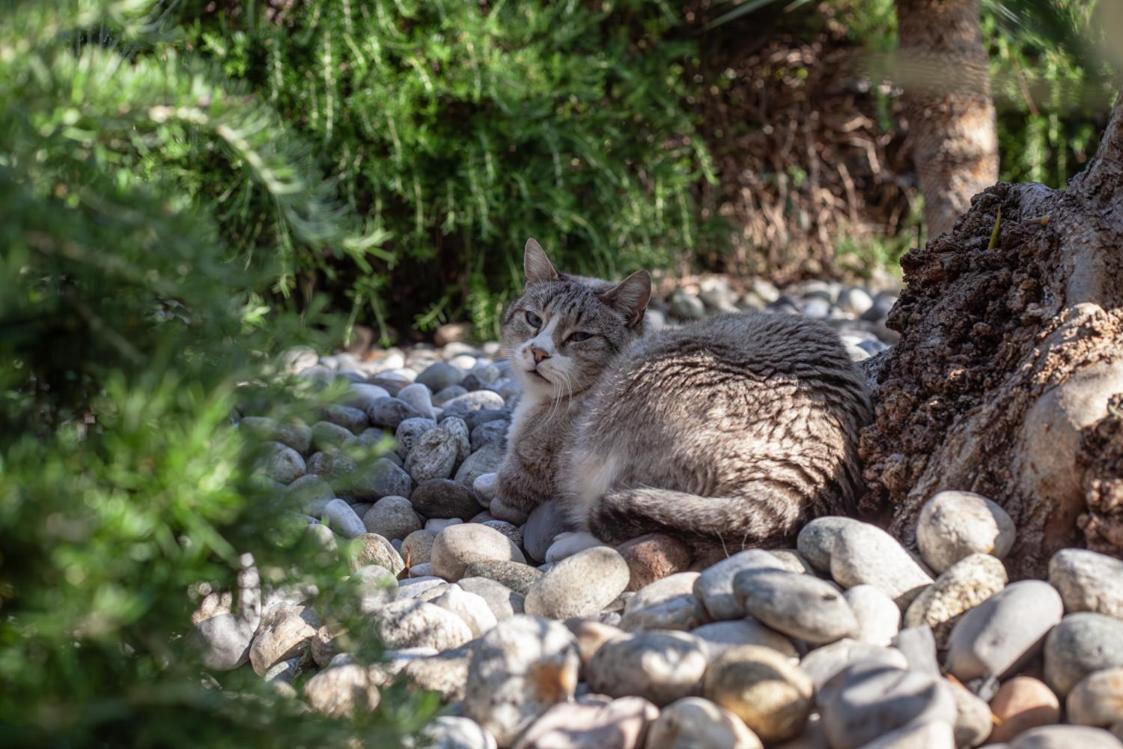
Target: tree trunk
point(943, 68)
point(1008, 377)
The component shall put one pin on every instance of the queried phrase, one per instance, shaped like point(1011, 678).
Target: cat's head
point(564, 330)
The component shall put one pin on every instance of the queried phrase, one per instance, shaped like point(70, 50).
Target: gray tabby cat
point(727, 433)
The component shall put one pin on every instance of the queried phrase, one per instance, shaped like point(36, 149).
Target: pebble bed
point(847, 640)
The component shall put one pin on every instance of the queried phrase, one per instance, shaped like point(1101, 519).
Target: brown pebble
point(590, 635)
point(653, 557)
point(1022, 703)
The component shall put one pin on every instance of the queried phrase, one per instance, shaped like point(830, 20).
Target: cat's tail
point(764, 515)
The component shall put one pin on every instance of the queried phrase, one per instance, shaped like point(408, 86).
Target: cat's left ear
point(630, 296)
point(536, 266)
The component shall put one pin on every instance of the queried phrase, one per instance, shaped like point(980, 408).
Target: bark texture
point(1008, 374)
point(943, 68)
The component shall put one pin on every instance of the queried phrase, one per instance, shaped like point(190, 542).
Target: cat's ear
point(630, 296)
point(536, 266)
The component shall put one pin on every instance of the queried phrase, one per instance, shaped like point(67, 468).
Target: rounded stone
point(1080, 644)
point(658, 666)
point(717, 637)
point(956, 524)
point(714, 586)
point(580, 585)
point(763, 688)
point(696, 723)
point(1097, 699)
point(411, 623)
point(354, 420)
point(410, 431)
point(1066, 737)
point(516, 672)
point(471, 608)
point(433, 456)
point(816, 540)
point(590, 635)
point(1088, 581)
point(473, 402)
point(867, 701)
point(419, 398)
point(343, 690)
point(822, 664)
point(392, 517)
point(961, 587)
point(934, 735)
point(878, 617)
point(442, 498)
point(1020, 704)
point(284, 635)
point(995, 637)
point(510, 530)
point(457, 546)
point(668, 603)
point(800, 606)
point(439, 375)
point(382, 478)
point(342, 519)
point(592, 722)
point(389, 412)
point(283, 464)
point(515, 575)
point(973, 719)
point(309, 491)
point(653, 557)
point(417, 546)
point(503, 602)
point(865, 554)
point(484, 460)
point(543, 524)
point(371, 548)
point(455, 732)
point(327, 435)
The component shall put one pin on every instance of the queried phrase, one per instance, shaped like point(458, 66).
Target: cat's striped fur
point(727, 433)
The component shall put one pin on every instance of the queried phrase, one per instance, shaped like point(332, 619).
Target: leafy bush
point(126, 326)
point(456, 130)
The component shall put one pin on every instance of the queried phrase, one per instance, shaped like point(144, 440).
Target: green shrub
point(126, 326)
point(456, 130)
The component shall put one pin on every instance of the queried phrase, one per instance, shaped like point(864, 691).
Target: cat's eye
point(580, 335)
point(533, 320)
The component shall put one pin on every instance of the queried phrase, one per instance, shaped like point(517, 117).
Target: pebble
point(353, 420)
point(822, 664)
point(490, 433)
point(471, 608)
point(714, 587)
point(696, 723)
point(484, 460)
point(442, 397)
point(444, 673)
point(658, 666)
point(865, 554)
point(918, 646)
point(1020, 704)
point(867, 701)
point(478, 400)
point(225, 641)
point(516, 672)
point(961, 587)
point(799, 606)
point(458, 433)
point(433, 456)
point(412, 623)
point(417, 546)
point(514, 575)
point(409, 432)
point(361, 395)
point(653, 557)
point(334, 466)
point(503, 602)
point(436, 525)
point(455, 732)
point(371, 548)
point(284, 635)
point(309, 490)
point(580, 585)
point(763, 688)
point(854, 301)
point(590, 635)
point(327, 436)
point(421, 588)
point(392, 517)
point(816, 540)
point(1097, 699)
point(1066, 737)
point(878, 617)
point(544, 523)
point(996, 636)
point(439, 375)
point(1088, 581)
point(717, 637)
point(973, 719)
point(668, 603)
point(389, 412)
point(1082, 643)
point(342, 519)
point(283, 464)
point(442, 498)
point(592, 722)
point(382, 478)
point(295, 434)
point(457, 546)
point(956, 524)
point(486, 485)
point(792, 561)
point(569, 543)
point(686, 306)
point(510, 530)
point(343, 690)
point(935, 735)
point(419, 398)
point(376, 586)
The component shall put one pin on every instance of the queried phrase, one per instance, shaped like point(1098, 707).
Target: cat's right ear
point(536, 266)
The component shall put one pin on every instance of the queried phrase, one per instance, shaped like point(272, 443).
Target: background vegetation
point(189, 187)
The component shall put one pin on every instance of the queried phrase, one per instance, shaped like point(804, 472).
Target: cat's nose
point(539, 354)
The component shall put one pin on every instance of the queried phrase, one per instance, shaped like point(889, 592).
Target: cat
point(727, 433)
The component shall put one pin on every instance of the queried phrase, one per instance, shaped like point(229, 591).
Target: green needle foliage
point(455, 130)
point(127, 324)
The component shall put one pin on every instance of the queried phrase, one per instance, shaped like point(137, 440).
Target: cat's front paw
point(509, 512)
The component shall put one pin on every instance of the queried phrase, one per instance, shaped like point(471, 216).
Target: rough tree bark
point(943, 68)
point(1008, 377)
